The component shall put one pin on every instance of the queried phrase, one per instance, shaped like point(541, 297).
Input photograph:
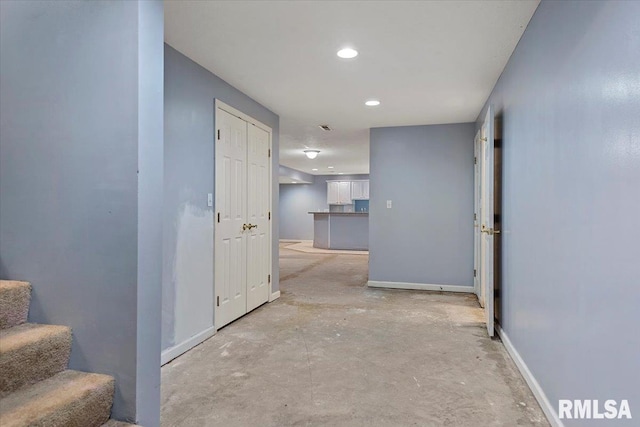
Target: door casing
point(484, 220)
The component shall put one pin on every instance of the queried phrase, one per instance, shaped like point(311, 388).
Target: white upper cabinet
point(339, 193)
point(333, 193)
point(360, 190)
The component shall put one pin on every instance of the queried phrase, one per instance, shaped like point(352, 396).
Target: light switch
point(388, 204)
point(210, 199)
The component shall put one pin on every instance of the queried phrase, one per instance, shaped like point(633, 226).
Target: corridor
point(332, 352)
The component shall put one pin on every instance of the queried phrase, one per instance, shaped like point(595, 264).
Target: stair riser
point(14, 304)
point(92, 409)
point(34, 362)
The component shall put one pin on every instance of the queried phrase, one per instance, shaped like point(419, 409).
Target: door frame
point(483, 220)
point(477, 207)
point(486, 219)
point(219, 105)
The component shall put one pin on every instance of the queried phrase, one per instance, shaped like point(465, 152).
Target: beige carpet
point(35, 388)
point(30, 353)
point(306, 246)
point(14, 302)
point(70, 399)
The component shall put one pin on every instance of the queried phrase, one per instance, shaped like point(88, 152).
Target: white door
point(486, 211)
point(231, 212)
point(258, 235)
point(477, 267)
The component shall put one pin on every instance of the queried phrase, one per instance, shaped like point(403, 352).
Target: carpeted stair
point(36, 388)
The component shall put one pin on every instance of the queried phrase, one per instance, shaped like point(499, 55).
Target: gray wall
point(72, 140)
point(288, 172)
point(569, 99)
point(188, 290)
point(297, 200)
point(427, 173)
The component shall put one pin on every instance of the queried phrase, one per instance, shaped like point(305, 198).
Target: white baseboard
point(548, 409)
point(274, 296)
point(171, 353)
point(420, 286)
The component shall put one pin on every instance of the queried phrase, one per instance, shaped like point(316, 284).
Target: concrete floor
point(331, 352)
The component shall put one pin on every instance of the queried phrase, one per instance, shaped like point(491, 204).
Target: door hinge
point(475, 272)
point(475, 217)
point(218, 134)
point(217, 301)
point(269, 215)
point(269, 279)
point(218, 216)
point(269, 152)
point(475, 160)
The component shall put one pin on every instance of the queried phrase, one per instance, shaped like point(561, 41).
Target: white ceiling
point(428, 62)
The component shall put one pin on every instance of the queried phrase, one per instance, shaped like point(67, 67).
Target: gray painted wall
point(569, 98)
point(296, 200)
point(427, 235)
point(288, 172)
point(150, 202)
point(72, 204)
point(188, 292)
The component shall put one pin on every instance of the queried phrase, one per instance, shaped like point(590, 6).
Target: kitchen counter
point(341, 230)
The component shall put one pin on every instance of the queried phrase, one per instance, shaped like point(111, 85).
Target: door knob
point(252, 226)
point(245, 227)
point(489, 231)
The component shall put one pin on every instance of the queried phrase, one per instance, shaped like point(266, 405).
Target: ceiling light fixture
point(312, 154)
point(329, 167)
point(347, 53)
point(314, 169)
point(372, 103)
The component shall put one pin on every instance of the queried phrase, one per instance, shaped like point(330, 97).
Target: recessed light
point(372, 103)
point(347, 53)
point(340, 173)
point(314, 169)
point(329, 167)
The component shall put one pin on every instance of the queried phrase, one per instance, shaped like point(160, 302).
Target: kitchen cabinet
point(339, 193)
point(360, 190)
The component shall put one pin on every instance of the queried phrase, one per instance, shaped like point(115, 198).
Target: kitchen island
point(341, 230)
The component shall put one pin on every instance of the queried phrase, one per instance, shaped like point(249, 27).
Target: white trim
point(420, 286)
point(548, 409)
point(239, 114)
point(171, 353)
point(274, 296)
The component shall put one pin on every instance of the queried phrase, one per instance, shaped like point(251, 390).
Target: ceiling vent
point(324, 127)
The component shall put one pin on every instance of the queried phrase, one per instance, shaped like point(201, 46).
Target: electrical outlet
point(210, 200)
point(388, 204)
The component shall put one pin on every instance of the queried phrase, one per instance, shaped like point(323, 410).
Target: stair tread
point(10, 284)
point(29, 404)
point(27, 333)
